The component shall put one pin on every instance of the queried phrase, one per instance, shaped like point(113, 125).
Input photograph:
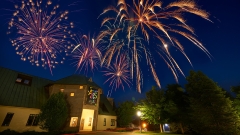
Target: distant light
point(166, 125)
point(165, 45)
point(144, 125)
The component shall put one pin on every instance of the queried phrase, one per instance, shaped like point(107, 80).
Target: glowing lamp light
point(139, 113)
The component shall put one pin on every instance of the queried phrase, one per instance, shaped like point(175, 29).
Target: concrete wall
point(100, 124)
point(19, 119)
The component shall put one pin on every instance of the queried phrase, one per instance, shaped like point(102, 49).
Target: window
point(92, 96)
point(90, 121)
point(61, 90)
point(32, 120)
point(72, 94)
point(112, 122)
point(19, 80)
point(23, 79)
point(26, 81)
point(80, 87)
point(73, 122)
point(7, 119)
point(104, 122)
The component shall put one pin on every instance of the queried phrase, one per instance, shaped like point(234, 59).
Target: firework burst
point(118, 74)
point(41, 33)
point(158, 25)
point(87, 52)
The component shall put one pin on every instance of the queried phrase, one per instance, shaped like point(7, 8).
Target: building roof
point(20, 95)
point(35, 92)
point(105, 107)
point(76, 80)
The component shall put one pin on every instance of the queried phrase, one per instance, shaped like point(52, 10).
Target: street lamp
point(139, 114)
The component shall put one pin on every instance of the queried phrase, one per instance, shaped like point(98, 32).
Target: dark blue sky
point(221, 38)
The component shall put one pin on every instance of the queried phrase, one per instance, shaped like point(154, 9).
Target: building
point(22, 95)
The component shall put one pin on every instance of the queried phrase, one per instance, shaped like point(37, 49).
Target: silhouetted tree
point(211, 112)
point(176, 111)
point(236, 100)
point(125, 113)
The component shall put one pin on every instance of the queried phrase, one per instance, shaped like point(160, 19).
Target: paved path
point(105, 133)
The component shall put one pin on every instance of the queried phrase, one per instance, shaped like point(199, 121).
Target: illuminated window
point(104, 122)
point(71, 94)
point(7, 119)
point(73, 122)
point(80, 87)
point(23, 79)
point(32, 120)
point(112, 122)
point(90, 121)
point(61, 90)
point(19, 80)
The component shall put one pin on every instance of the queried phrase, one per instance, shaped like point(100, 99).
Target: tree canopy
point(54, 112)
point(211, 113)
point(125, 112)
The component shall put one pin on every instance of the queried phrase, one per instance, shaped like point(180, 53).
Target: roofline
point(26, 73)
point(53, 81)
point(75, 84)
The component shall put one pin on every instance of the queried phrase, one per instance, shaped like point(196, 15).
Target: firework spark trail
point(154, 22)
point(41, 33)
point(119, 38)
point(118, 73)
point(88, 52)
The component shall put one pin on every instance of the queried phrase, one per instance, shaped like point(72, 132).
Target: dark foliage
point(125, 113)
point(54, 112)
point(211, 112)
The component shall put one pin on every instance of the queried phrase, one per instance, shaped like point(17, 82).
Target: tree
point(152, 107)
point(176, 102)
point(211, 113)
point(125, 112)
point(54, 112)
point(236, 100)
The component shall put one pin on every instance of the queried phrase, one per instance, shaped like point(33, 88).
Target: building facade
point(22, 95)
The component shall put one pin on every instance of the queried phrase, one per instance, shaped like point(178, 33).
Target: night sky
point(221, 37)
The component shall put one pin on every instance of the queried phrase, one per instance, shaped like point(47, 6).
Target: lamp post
point(139, 114)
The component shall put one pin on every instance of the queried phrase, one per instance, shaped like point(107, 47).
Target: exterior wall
point(75, 102)
point(100, 125)
point(19, 119)
point(93, 107)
